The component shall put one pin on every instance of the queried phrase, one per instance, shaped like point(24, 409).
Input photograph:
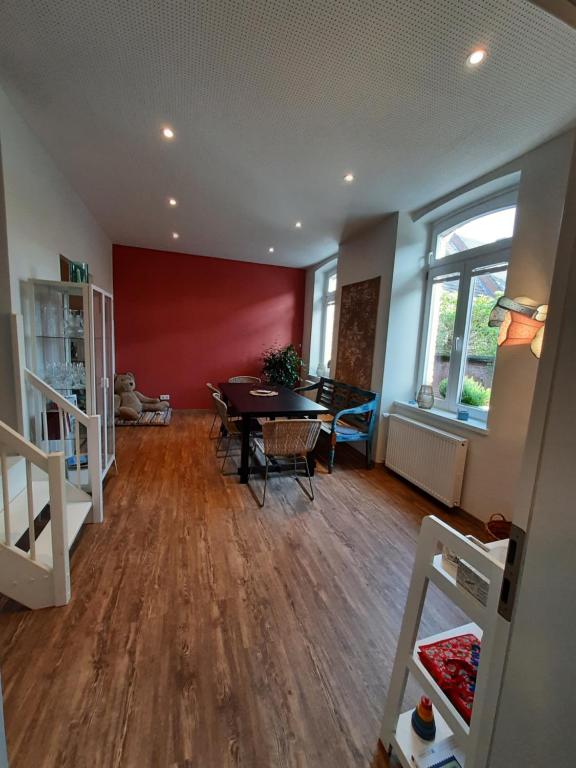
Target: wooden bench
point(352, 415)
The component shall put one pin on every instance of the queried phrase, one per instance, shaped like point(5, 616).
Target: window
point(467, 275)
point(481, 230)
point(322, 319)
point(327, 328)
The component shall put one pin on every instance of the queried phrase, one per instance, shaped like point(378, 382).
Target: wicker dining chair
point(291, 439)
point(231, 430)
point(244, 380)
point(214, 391)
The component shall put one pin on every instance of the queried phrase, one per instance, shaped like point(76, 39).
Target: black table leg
point(312, 463)
point(245, 455)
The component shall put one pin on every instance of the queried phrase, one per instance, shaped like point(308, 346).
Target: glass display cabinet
point(69, 344)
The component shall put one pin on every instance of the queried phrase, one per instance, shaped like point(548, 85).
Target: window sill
point(440, 418)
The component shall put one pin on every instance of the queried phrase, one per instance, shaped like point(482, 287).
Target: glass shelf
point(68, 439)
point(61, 338)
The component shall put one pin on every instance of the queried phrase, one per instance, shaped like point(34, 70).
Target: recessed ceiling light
point(298, 225)
point(167, 132)
point(172, 202)
point(349, 178)
point(175, 235)
point(271, 250)
point(476, 57)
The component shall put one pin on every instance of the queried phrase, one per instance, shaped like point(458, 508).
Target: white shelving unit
point(471, 741)
point(49, 339)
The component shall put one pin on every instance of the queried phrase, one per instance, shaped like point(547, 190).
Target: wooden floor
point(206, 632)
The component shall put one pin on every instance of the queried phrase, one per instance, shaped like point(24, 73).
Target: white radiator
point(430, 458)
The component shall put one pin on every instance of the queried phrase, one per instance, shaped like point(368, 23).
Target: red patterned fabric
point(453, 663)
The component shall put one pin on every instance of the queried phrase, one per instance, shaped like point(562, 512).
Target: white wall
point(535, 716)
point(396, 249)
point(366, 255)
point(8, 405)
point(494, 460)
point(406, 305)
point(44, 216)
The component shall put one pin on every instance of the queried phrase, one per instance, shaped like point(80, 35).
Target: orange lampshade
point(521, 321)
point(518, 329)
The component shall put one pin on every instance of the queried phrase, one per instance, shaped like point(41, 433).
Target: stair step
point(19, 510)
point(77, 512)
point(16, 478)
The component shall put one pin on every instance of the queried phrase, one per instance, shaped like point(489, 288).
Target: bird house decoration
point(521, 321)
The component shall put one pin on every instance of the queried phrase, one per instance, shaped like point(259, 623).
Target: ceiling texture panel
point(272, 103)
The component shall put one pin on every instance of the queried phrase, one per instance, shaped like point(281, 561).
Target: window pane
point(482, 230)
point(441, 333)
point(486, 289)
point(331, 283)
point(328, 331)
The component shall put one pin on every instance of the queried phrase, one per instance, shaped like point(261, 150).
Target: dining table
point(242, 402)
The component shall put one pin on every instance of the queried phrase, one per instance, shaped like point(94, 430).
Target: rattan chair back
point(221, 409)
point(244, 380)
point(290, 437)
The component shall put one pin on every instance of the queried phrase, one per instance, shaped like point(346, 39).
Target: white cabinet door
point(98, 365)
point(109, 370)
point(103, 367)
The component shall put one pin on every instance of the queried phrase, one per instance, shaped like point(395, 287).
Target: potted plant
point(281, 366)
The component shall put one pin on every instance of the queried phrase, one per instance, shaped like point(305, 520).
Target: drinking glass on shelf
point(54, 375)
point(70, 375)
point(66, 375)
point(50, 320)
point(50, 373)
point(78, 375)
point(74, 322)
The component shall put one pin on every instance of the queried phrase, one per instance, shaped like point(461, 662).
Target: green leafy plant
point(473, 392)
point(483, 339)
point(281, 366)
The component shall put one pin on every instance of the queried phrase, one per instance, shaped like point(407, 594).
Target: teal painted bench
point(352, 418)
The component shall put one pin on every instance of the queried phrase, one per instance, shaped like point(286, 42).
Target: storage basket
point(498, 527)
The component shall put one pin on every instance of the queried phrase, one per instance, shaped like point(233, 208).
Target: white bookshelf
point(470, 742)
point(406, 744)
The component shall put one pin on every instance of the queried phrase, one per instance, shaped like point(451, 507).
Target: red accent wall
point(183, 320)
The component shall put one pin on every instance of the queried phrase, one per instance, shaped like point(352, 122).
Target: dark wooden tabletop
point(286, 403)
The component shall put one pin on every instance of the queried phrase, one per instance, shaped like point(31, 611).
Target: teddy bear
point(128, 403)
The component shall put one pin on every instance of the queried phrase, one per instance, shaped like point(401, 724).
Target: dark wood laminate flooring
point(206, 632)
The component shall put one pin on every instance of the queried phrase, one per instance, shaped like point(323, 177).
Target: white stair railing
point(68, 415)
point(13, 444)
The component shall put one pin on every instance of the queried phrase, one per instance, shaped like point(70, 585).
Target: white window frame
point(465, 265)
point(328, 297)
point(491, 204)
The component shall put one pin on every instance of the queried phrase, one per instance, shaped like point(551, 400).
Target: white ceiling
point(273, 101)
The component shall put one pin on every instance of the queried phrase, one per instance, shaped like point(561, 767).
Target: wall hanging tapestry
point(357, 331)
